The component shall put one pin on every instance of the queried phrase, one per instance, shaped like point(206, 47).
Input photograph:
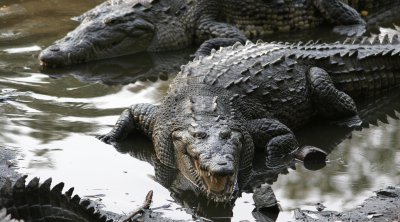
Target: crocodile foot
point(350, 30)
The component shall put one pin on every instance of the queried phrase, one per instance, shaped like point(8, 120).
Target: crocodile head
point(209, 157)
point(106, 31)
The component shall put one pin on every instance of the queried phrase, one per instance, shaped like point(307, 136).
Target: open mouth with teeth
point(218, 187)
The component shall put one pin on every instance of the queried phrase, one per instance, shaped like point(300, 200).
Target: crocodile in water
point(121, 27)
point(370, 112)
point(34, 202)
point(220, 107)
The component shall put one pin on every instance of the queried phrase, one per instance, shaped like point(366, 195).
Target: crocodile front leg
point(219, 34)
point(329, 101)
point(138, 117)
point(277, 139)
point(348, 19)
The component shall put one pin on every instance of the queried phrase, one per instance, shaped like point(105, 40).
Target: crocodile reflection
point(326, 136)
point(371, 111)
point(126, 69)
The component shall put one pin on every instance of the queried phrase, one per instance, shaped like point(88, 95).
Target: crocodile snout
point(218, 174)
point(53, 57)
point(57, 56)
point(222, 166)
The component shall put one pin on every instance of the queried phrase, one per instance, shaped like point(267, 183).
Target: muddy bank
point(385, 206)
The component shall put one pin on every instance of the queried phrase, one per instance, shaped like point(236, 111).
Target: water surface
point(52, 117)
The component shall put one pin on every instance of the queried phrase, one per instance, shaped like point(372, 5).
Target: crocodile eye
point(199, 135)
point(176, 136)
point(225, 134)
point(111, 21)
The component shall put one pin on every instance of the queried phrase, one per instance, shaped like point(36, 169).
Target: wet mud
point(385, 206)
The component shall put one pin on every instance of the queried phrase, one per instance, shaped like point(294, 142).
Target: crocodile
point(369, 111)
point(121, 27)
point(189, 196)
point(221, 107)
point(34, 202)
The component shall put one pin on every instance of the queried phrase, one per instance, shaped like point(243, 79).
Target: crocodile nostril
point(222, 163)
point(229, 157)
point(198, 134)
point(225, 134)
point(55, 49)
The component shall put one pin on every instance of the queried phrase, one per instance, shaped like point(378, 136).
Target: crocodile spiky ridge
point(219, 108)
point(39, 202)
point(4, 217)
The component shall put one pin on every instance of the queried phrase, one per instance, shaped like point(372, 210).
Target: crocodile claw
point(106, 138)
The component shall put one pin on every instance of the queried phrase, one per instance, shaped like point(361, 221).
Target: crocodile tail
point(37, 202)
point(4, 217)
point(370, 66)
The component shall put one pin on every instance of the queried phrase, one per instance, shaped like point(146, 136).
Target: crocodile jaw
point(106, 31)
point(219, 187)
point(63, 54)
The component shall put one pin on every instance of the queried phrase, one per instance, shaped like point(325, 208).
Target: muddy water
point(52, 118)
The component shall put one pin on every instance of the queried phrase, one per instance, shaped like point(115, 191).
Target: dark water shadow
point(371, 110)
point(126, 69)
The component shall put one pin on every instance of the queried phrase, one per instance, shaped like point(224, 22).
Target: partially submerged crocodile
point(220, 107)
point(120, 27)
point(189, 197)
point(34, 202)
